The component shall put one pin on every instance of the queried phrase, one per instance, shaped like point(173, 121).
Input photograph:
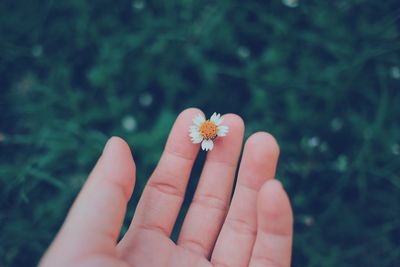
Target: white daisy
point(205, 131)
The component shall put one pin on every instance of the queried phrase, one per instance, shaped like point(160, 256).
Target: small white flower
point(205, 131)
point(395, 71)
point(145, 99)
point(291, 3)
point(129, 123)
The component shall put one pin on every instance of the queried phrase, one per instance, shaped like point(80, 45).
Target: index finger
point(163, 195)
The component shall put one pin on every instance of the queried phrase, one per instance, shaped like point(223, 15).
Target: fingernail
point(108, 145)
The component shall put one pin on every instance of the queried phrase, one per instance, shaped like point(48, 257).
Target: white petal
point(197, 139)
point(215, 118)
point(194, 131)
point(193, 128)
point(220, 120)
point(199, 119)
point(222, 130)
point(204, 144)
point(195, 135)
point(207, 145)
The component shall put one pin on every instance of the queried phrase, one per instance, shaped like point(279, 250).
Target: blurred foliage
point(322, 76)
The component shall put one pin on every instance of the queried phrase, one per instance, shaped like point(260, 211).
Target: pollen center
point(208, 130)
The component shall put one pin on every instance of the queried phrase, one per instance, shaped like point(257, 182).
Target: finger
point(163, 195)
point(259, 162)
point(273, 244)
point(94, 222)
point(211, 200)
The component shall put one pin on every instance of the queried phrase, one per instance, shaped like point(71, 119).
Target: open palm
point(252, 229)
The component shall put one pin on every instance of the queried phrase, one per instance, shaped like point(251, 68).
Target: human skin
point(254, 228)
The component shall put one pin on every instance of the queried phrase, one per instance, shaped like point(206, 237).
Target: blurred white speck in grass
point(145, 99)
point(395, 72)
point(129, 123)
point(2, 137)
point(313, 142)
point(291, 3)
point(243, 52)
point(37, 51)
point(308, 220)
point(336, 124)
point(138, 4)
point(396, 149)
point(341, 163)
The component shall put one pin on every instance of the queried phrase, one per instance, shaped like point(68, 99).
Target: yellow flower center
point(208, 130)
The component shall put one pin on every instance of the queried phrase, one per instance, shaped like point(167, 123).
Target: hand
point(254, 229)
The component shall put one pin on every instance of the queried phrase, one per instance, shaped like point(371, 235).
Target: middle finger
point(211, 200)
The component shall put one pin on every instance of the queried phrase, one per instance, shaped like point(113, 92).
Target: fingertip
point(117, 163)
point(264, 143)
point(117, 142)
point(274, 209)
point(259, 161)
point(234, 121)
point(189, 113)
point(119, 148)
point(236, 126)
point(179, 140)
point(271, 189)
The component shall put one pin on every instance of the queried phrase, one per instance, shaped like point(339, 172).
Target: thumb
point(95, 219)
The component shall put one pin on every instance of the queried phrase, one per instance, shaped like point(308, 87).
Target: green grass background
point(323, 77)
